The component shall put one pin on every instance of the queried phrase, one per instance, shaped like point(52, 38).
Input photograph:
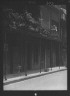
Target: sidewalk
point(32, 75)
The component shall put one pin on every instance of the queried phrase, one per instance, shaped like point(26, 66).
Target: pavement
point(54, 81)
point(33, 75)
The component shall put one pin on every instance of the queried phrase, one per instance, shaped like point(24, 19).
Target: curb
point(26, 78)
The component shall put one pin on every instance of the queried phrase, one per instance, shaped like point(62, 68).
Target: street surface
point(54, 81)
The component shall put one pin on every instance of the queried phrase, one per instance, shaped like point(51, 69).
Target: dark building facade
point(30, 50)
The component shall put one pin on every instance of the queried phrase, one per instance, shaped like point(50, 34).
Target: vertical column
point(54, 54)
point(23, 56)
point(32, 56)
point(5, 63)
point(6, 50)
point(25, 67)
point(5, 23)
point(51, 54)
point(60, 32)
point(45, 57)
point(50, 41)
point(57, 53)
point(60, 55)
point(5, 56)
point(20, 52)
point(59, 38)
point(39, 54)
point(11, 60)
